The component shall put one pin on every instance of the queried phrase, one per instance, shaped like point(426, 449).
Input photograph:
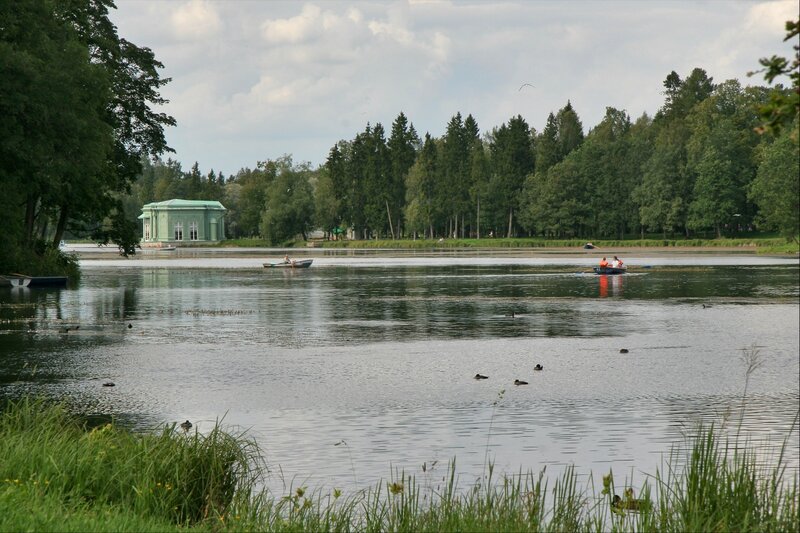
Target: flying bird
point(526, 85)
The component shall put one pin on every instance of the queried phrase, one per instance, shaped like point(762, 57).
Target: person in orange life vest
point(617, 262)
point(603, 263)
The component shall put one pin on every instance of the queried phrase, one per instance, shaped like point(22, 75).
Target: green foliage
point(290, 203)
point(783, 107)
point(420, 188)
point(43, 259)
point(166, 476)
point(774, 244)
point(513, 159)
point(57, 475)
point(402, 149)
point(776, 189)
point(77, 117)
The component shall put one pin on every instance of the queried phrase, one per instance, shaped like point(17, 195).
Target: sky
point(256, 80)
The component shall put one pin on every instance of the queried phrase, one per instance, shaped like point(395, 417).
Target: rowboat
point(21, 280)
point(14, 281)
point(295, 263)
point(610, 270)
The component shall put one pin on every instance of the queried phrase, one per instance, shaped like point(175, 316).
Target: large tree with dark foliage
point(76, 102)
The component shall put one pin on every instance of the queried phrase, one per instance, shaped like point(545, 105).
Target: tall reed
point(56, 474)
point(181, 478)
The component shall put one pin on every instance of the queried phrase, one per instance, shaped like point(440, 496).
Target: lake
point(363, 364)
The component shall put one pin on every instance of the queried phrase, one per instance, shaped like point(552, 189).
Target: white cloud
point(770, 17)
point(196, 19)
point(401, 35)
point(294, 29)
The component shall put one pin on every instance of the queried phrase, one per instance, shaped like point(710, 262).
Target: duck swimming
point(186, 426)
point(624, 350)
point(520, 382)
point(630, 503)
point(481, 376)
point(538, 367)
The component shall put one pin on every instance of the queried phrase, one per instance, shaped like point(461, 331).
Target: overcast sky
point(254, 80)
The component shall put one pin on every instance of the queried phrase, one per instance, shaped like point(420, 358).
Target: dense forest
point(699, 165)
point(82, 149)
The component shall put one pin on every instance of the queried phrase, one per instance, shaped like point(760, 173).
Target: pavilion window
point(147, 230)
point(179, 231)
point(193, 231)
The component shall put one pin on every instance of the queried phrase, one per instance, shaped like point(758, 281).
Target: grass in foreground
point(56, 475)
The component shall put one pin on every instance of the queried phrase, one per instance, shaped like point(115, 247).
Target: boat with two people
point(615, 267)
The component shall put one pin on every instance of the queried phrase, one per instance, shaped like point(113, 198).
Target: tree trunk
point(389, 215)
point(62, 225)
point(510, 221)
point(30, 218)
point(478, 226)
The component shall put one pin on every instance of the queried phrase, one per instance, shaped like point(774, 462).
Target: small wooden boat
point(14, 281)
point(21, 280)
point(295, 263)
point(610, 270)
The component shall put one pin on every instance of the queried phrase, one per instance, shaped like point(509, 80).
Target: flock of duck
point(537, 368)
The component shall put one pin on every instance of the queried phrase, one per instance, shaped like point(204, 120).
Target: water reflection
point(382, 357)
point(616, 282)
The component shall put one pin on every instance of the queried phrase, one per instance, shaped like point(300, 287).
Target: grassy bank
point(57, 475)
point(771, 245)
point(43, 260)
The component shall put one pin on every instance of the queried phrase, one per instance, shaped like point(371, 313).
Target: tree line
point(699, 164)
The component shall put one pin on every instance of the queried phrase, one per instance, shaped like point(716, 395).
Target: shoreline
point(90, 252)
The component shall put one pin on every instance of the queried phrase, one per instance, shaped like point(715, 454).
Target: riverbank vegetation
point(56, 474)
point(762, 244)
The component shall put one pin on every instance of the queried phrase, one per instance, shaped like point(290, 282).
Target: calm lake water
point(364, 364)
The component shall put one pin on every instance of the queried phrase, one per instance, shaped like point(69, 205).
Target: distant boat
point(295, 263)
point(610, 270)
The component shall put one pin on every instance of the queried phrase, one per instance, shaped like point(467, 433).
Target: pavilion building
point(182, 222)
